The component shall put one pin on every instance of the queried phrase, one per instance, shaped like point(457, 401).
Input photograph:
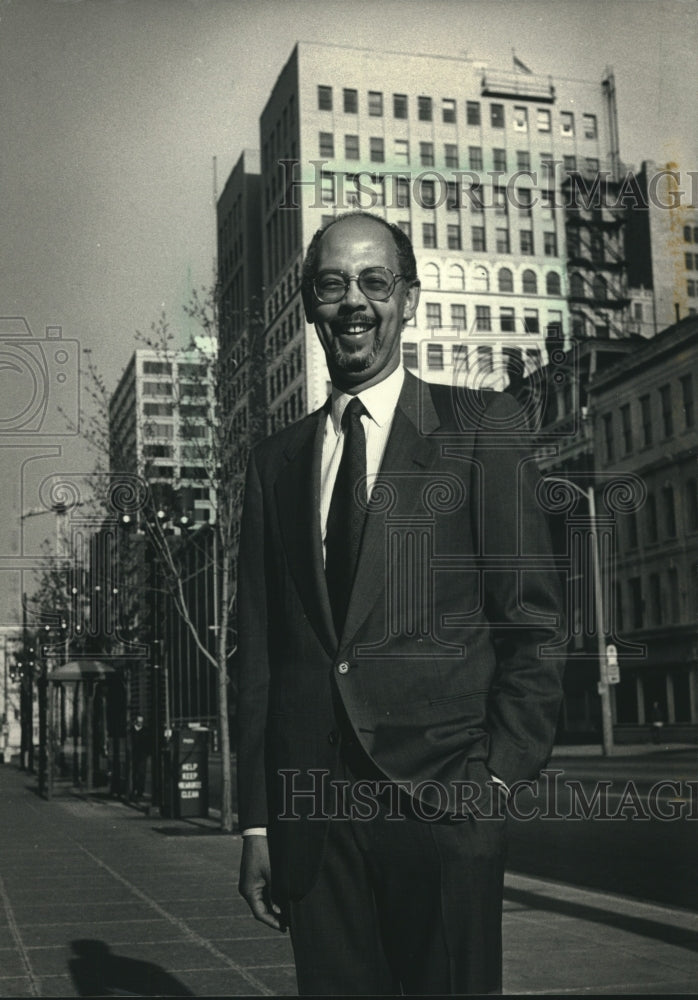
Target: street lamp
point(604, 652)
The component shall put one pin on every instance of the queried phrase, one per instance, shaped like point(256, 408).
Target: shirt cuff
point(255, 831)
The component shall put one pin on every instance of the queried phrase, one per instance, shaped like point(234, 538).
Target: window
point(452, 196)
point(351, 101)
point(569, 163)
point(460, 357)
point(429, 235)
point(432, 276)
point(427, 193)
point(689, 261)
point(524, 196)
point(375, 104)
point(402, 151)
point(591, 165)
point(547, 209)
point(424, 112)
point(530, 283)
point(523, 159)
point(406, 227)
point(481, 279)
point(399, 105)
point(478, 238)
point(673, 579)
point(636, 603)
point(327, 189)
point(669, 511)
point(451, 154)
point(499, 159)
point(454, 237)
point(326, 144)
point(687, 234)
point(472, 112)
point(552, 283)
point(377, 150)
point(456, 278)
point(433, 315)
point(426, 154)
point(435, 357)
point(667, 416)
point(499, 200)
point(353, 199)
point(692, 289)
point(402, 192)
point(502, 241)
point(448, 110)
point(651, 518)
point(520, 119)
point(458, 318)
point(483, 319)
point(555, 323)
point(627, 428)
point(476, 198)
point(497, 115)
point(577, 286)
point(409, 355)
point(589, 126)
point(550, 247)
point(505, 280)
point(324, 98)
point(351, 147)
point(646, 416)
point(599, 289)
point(158, 368)
point(608, 435)
point(567, 123)
point(689, 414)
point(655, 599)
point(531, 322)
point(475, 157)
point(691, 497)
point(507, 320)
point(543, 120)
point(526, 242)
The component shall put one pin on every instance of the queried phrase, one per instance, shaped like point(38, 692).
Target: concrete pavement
point(97, 898)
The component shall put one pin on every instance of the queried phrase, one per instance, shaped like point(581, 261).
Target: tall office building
point(478, 167)
point(663, 245)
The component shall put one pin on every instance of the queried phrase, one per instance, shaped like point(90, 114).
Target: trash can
point(186, 786)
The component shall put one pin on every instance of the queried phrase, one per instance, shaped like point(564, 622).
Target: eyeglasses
point(376, 283)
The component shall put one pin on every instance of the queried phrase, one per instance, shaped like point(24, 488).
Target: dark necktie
point(347, 513)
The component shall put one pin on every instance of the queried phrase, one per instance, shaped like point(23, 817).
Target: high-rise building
point(480, 168)
point(663, 243)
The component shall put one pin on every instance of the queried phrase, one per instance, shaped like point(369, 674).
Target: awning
point(81, 670)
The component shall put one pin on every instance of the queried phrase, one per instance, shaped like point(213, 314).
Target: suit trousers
point(402, 905)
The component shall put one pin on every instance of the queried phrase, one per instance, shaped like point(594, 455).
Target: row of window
point(289, 411)
point(691, 261)
point(469, 358)
point(431, 278)
point(285, 373)
point(647, 423)
point(401, 154)
point(530, 322)
point(662, 604)
point(478, 239)
point(375, 107)
point(659, 521)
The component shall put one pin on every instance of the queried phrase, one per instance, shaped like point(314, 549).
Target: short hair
point(403, 246)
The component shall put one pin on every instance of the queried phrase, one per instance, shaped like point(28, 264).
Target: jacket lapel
point(408, 450)
point(298, 498)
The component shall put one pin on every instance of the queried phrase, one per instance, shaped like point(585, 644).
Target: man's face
point(361, 337)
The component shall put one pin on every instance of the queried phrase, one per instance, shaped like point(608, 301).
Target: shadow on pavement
point(96, 972)
point(669, 933)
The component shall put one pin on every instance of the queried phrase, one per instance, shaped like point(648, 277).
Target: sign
point(612, 668)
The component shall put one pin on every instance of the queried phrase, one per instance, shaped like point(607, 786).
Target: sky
point(112, 112)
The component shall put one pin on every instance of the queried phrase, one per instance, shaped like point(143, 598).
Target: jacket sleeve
point(253, 658)
point(523, 600)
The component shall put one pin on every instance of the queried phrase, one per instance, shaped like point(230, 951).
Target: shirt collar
point(380, 399)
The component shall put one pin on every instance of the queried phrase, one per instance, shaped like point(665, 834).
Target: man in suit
point(396, 597)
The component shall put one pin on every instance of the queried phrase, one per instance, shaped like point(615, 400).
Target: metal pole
point(604, 687)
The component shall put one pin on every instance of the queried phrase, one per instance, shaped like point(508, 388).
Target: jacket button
point(333, 738)
point(343, 667)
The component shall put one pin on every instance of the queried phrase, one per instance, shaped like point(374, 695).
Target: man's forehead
point(363, 240)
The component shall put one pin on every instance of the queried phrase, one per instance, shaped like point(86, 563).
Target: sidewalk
point(96, 898)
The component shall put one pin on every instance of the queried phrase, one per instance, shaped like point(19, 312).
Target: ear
point(411, 301)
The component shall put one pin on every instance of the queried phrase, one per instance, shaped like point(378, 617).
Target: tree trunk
point(222, 657)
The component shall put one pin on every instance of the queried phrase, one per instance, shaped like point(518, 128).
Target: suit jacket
point(441, 668)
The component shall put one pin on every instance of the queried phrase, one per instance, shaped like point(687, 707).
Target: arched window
point(599, 287)
point(481, 279)
point(456, 278)
point(530, 282)
point(577, 290)
point(506, 280)
point(432, 276)
point(552, 283)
